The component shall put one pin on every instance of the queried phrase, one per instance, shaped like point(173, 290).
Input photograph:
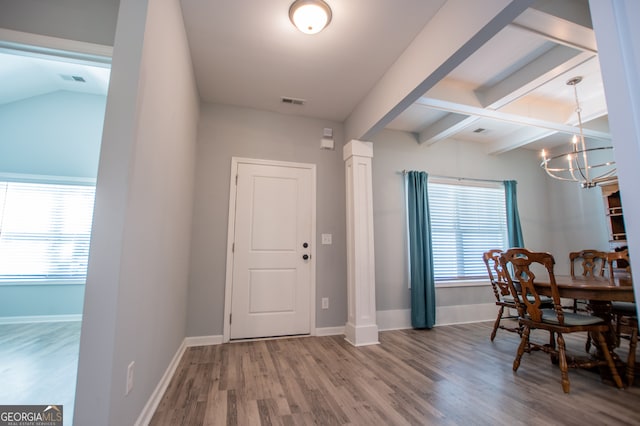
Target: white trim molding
point(36, 44)
point(329, 331)
point(40, 318)
point(399, 319)
point(203, 340)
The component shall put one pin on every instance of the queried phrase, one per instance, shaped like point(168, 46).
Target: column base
point(361, 335)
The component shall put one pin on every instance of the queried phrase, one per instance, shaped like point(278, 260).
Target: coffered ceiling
point(507, 89)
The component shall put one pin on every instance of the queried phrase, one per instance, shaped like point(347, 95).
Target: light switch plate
point(326, 238)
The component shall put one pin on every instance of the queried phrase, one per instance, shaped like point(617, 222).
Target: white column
point(618, 37)
point(361, 328)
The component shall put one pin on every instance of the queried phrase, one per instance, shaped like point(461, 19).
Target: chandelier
point(587, 166)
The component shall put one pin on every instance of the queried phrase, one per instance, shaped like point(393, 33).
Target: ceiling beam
point(518, 139)
point(434, 53)
point(536, 73)
point(509, 118)
point(446, 127)
point(557, 30)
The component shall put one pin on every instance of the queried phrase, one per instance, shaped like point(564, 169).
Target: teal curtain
point(423, 291)
point(513, 218)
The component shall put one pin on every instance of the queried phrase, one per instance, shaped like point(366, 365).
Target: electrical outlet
point(130, 377)
point(325, 303)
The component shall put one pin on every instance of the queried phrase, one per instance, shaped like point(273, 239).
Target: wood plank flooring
point(451, 375)
point(39, 364)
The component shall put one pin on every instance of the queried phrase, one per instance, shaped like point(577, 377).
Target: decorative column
point(361, 328)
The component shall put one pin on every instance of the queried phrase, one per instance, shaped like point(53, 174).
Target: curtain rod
point(404, 172)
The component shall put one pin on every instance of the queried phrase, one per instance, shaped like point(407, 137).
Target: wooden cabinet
point(615, 217)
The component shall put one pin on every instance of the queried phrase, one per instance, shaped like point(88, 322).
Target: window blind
point(466, 221)
point(45, 230)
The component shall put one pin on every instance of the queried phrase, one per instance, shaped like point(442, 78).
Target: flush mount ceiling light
point(588, 166)
point(310, 16)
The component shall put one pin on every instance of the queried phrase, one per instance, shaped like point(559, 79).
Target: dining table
point(599, 292)
point(595, 289)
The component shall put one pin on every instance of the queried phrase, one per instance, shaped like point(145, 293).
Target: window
point(467, 219)
point(44, 231)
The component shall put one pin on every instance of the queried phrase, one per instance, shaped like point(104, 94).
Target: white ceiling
point(247, 53)
point(25, 75)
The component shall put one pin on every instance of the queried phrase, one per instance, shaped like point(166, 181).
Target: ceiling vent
point(480, 130)
point(76, 78)
point(293, 101)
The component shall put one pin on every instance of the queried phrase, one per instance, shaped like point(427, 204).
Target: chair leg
point(607, 356)
point(524, 343)
point(564, 368)
point(497, 323)
point(587, 345)
point(631, 361)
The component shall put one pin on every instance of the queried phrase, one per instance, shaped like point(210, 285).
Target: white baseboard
point(463, 314)
point(152, 404)
point(329, 331)
point(40, 318)
point(395, 319)
point(203, 340)
point(399, 319)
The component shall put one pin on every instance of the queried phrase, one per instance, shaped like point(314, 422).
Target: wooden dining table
point(600, 292)
point(594, 289)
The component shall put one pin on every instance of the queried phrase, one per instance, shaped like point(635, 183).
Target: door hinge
point(236, 180)
point(233, 247)
point(230, 315)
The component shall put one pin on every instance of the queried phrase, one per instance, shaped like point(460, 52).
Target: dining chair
point(593, 264)
point(504, 299)
point(624, 313)
point(555, 320)
point(618, 263)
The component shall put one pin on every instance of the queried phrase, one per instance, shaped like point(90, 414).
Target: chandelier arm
point(579, 157)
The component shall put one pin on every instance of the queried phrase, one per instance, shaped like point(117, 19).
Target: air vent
point(479, 130)
point(76, 78)
point(293, 101)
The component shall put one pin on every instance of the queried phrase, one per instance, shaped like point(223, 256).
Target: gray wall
point(91, 21)
point(226, 131)
point(555, 216)
point(136, 294)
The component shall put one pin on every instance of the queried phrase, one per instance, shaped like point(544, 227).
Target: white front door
point(272, 250)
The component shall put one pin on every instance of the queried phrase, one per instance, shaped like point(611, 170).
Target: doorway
point(52, 113)
point(270, 288)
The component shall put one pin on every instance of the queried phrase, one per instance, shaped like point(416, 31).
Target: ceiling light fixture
point(310, 16)
point(587, 166)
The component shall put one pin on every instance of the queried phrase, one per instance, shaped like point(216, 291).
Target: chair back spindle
point(530, 301)
point(593, 262)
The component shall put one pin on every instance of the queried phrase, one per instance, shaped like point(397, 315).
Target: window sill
point(463, 283)
point(42, 282)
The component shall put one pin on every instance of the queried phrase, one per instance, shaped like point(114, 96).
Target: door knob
point(305, 256)
point(305, 245)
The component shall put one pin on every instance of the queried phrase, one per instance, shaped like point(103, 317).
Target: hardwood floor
point(450, 375)
point(39, 363)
